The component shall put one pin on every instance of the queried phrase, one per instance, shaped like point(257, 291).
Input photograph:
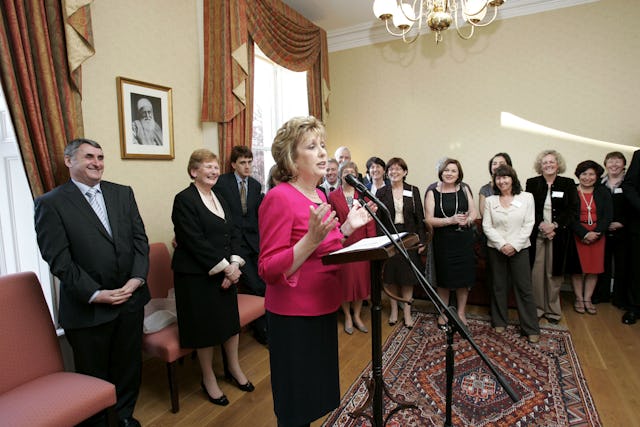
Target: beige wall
point(574, 70)
point(157, 42)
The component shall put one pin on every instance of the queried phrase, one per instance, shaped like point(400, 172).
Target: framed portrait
point(145, 113)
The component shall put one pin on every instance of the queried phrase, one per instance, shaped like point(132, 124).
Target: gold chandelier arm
point(466, 37)
point(437, 15)
point(484, 24)
point(460, 34)
point(418, 16)
point(390, 31)
point(403, 34)
point(409, 40)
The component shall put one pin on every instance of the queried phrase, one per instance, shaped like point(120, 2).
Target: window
point(279, 94)
point(18, 246)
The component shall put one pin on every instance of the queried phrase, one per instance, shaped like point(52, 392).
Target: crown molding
point(375, 32)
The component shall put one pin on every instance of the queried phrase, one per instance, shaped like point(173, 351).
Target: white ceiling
point(351, 23)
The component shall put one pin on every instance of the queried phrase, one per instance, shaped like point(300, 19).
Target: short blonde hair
point(199, 157)
point(537, 165)
point(286, 141)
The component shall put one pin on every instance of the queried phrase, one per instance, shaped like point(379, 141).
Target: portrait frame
point(145, 113)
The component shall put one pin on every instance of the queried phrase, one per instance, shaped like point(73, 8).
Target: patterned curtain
point(41, 87)
point(289, 39)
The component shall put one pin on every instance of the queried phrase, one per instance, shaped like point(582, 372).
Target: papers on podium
point(370, 243)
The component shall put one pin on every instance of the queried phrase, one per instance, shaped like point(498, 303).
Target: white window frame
point(279, 94)
point(18, 244)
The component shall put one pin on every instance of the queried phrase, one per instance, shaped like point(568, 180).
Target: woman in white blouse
point(507, 222)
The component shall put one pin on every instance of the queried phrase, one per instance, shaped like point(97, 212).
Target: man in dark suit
point(92, 236)
point(631, 190)
point(244, 194)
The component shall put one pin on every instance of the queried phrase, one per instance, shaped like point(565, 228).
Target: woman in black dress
point(206, 270)
point(451, 211)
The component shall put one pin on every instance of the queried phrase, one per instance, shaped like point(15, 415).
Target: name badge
point(559, 194)
point(617, 191)
point(407, 193)
point(516, 203)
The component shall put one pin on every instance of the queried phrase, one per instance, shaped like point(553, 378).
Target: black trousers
point(634, 260)
point(616, 267)
point(112, 351)
point(512, 271)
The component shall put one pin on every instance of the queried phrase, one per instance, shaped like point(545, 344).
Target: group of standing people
point(576, 230)
point(225, 232)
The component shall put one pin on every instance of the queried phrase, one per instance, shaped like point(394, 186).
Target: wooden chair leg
point(173, 387)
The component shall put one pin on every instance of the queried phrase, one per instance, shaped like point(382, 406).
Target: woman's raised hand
point(358, 215)
point(319, 227)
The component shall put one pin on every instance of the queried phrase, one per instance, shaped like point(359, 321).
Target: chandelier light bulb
point(404, 16)
point(384, 9)
point(474, 10)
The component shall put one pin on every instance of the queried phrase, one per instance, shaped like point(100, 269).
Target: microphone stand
point(453, 325)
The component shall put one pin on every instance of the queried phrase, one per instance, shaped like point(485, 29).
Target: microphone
point(362, 189)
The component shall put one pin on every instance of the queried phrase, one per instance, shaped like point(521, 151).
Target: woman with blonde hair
point(298, 228)
point(556, 201)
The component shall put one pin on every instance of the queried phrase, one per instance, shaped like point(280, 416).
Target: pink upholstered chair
point(165, 344)
point(34, 389)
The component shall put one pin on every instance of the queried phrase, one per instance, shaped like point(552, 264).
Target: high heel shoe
point(348, 329)
point(248, 387)
point(361, 327)
point(442, 322)
point(221, 401)
point(589, 307)
point(407, 325)
point(392, 322)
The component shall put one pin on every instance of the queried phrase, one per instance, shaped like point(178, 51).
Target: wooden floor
point(609, 353)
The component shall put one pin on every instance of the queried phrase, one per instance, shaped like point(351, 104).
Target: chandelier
point(436, 14)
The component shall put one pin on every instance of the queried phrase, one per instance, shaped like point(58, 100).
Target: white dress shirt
point(511, 225)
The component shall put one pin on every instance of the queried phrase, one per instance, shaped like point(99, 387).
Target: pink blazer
point(311, 290)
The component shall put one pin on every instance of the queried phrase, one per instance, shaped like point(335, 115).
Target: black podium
point(377, 255)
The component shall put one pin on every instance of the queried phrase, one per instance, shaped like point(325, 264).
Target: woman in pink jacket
point(298, 228)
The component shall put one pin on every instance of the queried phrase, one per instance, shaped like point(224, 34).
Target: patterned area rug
point(547, 377)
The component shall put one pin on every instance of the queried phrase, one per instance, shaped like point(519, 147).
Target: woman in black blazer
point(591, 221)
point(403, 202)
point(206, 268)
point(556, 201)
point(616, 247)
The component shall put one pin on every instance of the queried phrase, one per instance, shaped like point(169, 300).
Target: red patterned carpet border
point(547, 377)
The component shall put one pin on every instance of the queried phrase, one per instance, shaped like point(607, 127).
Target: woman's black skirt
point(303, 354)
